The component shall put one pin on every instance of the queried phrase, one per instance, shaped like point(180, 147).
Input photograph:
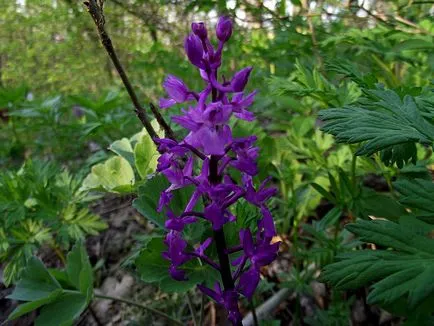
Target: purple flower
point(176, 89)
point(249, 282)
point(165, 198)
point(175, 254)
point(246, 156)
point(217, 216)
point(179, 176)
point(178, 223)
point(261, 253)
point(227, 298)
point(240, 103)
point(260, 196)
point(201, 249)
point(266, 224)
point(194, 49)
point(240, 79)
point(224, 29)
point(199, 29)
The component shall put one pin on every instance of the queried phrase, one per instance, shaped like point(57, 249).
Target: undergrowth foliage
point(337, 146)
point(41, 204)
point(395, 126)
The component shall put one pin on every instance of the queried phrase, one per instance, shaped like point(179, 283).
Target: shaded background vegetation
point(62, 101)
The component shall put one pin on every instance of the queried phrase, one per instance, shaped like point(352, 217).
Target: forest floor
point(109, 250)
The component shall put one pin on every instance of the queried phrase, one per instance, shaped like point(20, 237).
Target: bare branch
point(95, 9)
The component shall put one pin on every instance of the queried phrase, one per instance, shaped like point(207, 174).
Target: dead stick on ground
point(95, 9)
point(267, 308)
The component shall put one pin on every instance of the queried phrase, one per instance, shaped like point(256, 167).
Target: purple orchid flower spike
point(211, 148)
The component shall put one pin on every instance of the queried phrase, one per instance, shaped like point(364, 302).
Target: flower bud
point(224, 28)
point(193, 48)
point(240, 79)
point(199, 29)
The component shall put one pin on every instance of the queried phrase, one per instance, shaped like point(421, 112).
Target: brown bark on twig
point(167, 130)
point(95, 9)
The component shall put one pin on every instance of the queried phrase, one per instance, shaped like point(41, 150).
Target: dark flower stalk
point(211, 147)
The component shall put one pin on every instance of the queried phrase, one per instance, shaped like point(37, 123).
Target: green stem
point(148, 308)
point(353, 170)
point(255, 317)
point(191, 307)
point(202, 310)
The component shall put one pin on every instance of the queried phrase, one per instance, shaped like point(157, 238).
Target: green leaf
point(149, 195)
point(25, 308)
point(329, 219)
point(416, 194)
point(385, 121)
point(79, 270)
point(414, 44)
point(145, 156)
point(381, 205)
point(405, 271)
point(153, 268)
point(63, 311)
point(399, 154)
point(150, 262)
point(36, 282)
point(114, 175)
point(77, 223)
point(323, 192)
point(123, 148)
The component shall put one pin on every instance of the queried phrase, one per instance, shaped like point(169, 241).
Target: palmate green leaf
point(384, 122)
point(76, 223)
point(405, 272)
point(417, 194)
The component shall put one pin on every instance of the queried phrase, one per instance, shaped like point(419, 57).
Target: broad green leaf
point(153, 268)
point(150, 262)
point(145, 156)
point(149, 195)
point(27, 307)
point(63, 311)
point(114, 175)
point(123, 148)
point(79, 270)
point(36, 282)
